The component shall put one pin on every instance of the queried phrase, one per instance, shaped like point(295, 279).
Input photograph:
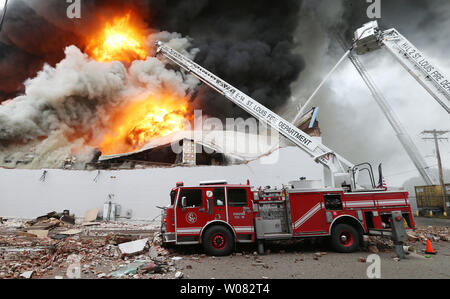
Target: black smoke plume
point(248, 43)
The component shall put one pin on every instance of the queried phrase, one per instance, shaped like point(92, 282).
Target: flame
point(139, 121)
point(118, 41)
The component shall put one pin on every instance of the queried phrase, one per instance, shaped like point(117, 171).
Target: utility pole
point(436, 137)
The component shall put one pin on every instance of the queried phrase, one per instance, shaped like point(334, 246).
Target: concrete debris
point(71, 232)
point(38, 233)
point(46, 224)
point(27, 274)
point(177, 258)
point(133, 247)
point(94, 247)
point(179, 275)
point(434, 234)
point(129, 269)
point(90, 216)
point(373, 249)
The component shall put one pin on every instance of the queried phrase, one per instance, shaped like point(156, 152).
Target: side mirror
point(183, 201)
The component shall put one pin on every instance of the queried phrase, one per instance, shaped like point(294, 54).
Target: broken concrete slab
point(27, 274)
point(47, 216)
point(133, 247)
point(71, 232)
point(45, 224)
point(26, 234)
point(91, 215)
point(38, 233)
point(131, 268)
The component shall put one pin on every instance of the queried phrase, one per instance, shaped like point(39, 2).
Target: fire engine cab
point(218, 215)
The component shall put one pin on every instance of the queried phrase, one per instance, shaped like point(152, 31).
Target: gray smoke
point(351, 122)
point(67, 105)
point(276, 51)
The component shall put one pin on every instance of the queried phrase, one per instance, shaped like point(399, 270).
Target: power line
point(407, 171)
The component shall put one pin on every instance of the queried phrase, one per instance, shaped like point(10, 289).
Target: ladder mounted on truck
point(370, 37)
point(342, 172)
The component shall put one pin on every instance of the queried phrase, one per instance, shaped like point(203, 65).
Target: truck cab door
point(215, 198)
point(191, 215)
point(240, 213)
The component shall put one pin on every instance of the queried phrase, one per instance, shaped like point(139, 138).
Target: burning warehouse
point(95, 95)
point(94, 83)
point(208, 148)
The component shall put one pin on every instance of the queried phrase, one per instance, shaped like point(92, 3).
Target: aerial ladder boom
point(370, 37)
point(341, 170)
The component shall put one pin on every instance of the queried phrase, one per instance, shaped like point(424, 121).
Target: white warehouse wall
point(24, 195)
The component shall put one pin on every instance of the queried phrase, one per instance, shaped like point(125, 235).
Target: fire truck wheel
point(345, 238)
point(218, 241)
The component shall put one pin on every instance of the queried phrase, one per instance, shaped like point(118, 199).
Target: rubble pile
point(432, 233)
point(106, 250)
point(375, 244)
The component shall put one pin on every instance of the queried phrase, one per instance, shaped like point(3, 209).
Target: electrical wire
point(4, 14)
point(407, 171)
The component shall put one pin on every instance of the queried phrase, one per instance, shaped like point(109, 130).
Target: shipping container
point(429, 198)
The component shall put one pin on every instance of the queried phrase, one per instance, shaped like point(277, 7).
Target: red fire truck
point(218, 214)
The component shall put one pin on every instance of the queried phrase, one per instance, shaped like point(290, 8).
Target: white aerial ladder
point(391, 116)
point(370, 37)
point(342, 172)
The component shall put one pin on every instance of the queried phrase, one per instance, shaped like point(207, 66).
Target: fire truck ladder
point(400, 131)
point(370, 37)
point(341, 170)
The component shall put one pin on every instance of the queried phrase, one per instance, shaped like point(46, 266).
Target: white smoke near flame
point(72, 99)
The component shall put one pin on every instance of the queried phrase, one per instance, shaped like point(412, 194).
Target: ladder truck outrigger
point(218, 215)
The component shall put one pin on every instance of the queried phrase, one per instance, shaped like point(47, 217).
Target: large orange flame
point(138, 122)
point(118, 41)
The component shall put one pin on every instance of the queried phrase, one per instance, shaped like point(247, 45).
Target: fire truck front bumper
point(168, 237)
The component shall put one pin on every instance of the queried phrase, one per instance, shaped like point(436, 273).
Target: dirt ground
point(97, 248)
